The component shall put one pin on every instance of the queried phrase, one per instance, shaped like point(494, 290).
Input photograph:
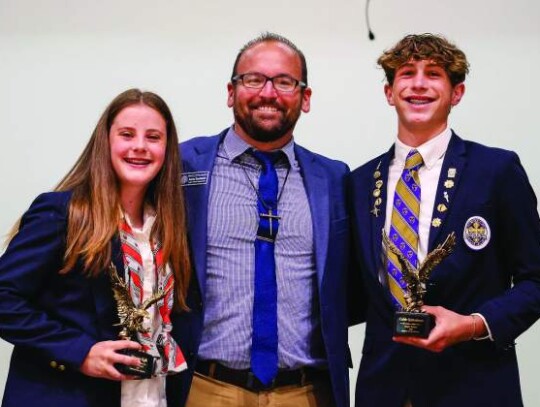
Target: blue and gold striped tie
point(404, 225)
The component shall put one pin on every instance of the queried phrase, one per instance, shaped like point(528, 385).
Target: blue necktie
point(264, 343)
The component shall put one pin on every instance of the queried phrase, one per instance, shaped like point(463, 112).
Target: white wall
point(62, 61)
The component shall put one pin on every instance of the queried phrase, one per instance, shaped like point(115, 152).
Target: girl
point(120, 208)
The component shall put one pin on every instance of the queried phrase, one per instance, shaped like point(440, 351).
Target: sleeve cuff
point(488, 336)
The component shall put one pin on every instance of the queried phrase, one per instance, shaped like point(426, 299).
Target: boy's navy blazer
point(500, 281)
point(324, 180)
point(54, 319)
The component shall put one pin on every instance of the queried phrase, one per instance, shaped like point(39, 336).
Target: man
point(487, 291)
point(242, 230)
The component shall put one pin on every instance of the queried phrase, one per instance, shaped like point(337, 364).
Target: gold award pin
point(442, 208)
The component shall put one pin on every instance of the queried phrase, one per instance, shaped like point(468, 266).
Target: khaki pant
point(208, 392)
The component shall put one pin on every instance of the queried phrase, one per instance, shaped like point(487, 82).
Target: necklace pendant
point(271, 217)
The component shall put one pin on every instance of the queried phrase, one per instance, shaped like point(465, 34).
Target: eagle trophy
point(416, 279)
point(131, 317)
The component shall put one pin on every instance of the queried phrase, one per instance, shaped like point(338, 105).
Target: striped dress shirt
point(232, 225)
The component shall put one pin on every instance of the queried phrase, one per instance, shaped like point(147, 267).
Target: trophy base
point(418, 324)
point(143, 371)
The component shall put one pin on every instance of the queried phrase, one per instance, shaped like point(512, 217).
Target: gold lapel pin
point(377, 191)
point(442, 208)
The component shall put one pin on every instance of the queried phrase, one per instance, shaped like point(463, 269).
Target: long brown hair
point(95, 210)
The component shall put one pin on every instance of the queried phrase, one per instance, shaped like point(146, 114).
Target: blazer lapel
point(105, 305)
point(378, 199)
point(317, 189)
point(452, 169)
point(201, 159)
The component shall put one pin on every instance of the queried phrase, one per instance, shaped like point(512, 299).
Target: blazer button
point(61, 368)
point(53, 364)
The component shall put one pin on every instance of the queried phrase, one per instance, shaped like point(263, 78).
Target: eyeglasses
point(281, 83)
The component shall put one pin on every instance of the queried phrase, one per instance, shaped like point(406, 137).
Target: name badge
point(189, 179)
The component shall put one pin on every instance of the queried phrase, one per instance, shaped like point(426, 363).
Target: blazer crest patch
point(476, 233)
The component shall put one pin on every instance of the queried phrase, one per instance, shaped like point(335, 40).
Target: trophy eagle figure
point(416, 279)
point(131, 317)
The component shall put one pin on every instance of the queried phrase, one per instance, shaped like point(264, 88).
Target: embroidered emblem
point(189, 179)
point(476, 232)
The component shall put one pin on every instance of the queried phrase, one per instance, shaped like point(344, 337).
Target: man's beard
point(252, 127)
